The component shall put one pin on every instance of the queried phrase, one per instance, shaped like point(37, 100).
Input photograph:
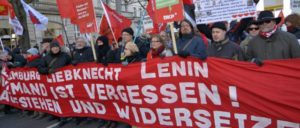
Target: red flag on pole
point(5, 7)
point(85, 16)
point(115, 21)
point(157, 27)
point(282, 18)
point(66, 8)
point(60, 40)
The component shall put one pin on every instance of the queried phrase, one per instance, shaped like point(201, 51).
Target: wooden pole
point(173, 37)
point(93, 48)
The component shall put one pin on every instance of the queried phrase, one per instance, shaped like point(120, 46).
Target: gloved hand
point(43, 70)
point(257, 61)
point(183, 54)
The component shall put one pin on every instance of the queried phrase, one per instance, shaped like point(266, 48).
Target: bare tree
point(24, 40)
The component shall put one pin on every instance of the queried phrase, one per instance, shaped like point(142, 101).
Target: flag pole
point(93, 47)
point(1, 44)
point(107, 18)
point(173, 37)
point(140, 25)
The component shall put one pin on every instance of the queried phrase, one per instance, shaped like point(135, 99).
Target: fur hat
point(33, 51)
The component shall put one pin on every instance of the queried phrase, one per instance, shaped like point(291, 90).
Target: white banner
point(209, 11)
point(295, 5)
point(15, 23)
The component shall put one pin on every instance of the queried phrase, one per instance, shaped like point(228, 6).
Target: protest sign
point(295, 5)
point(169, 92)
point(168, 10)
point(273, 4)
point(209, 11)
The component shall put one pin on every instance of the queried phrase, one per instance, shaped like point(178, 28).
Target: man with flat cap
point(272, 43)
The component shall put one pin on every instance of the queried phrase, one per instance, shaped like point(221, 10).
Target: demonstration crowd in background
point(259, 40)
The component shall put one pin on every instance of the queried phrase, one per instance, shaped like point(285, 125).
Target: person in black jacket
point(102, 48)
point(82, 52)
point(56, 59)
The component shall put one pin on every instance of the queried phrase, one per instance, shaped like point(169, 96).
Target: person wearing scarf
point(158, 48)
point(271, 43)
point(33, 58)
point(292, 23)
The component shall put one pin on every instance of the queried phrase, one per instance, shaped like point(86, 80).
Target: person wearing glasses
point(158, 48)
point(252, 30)
point(221, 46)
point(271, 43)
point(188, 43)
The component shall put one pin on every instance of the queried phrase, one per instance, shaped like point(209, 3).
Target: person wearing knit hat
point(271, 43)
point(33, 58)
point(221, 46)
point(56, 59)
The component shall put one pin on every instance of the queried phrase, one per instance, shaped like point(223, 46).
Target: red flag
point(85, 16)
point(60, 40)
point(66, 8)
point(40, 21)
point(188, 2)
point(116, 21)
point(157, 27)
point(105, 29)
point(282, 18)
point(3, 10)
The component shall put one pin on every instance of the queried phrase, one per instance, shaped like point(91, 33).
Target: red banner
point(85, 16)
point(169, 92)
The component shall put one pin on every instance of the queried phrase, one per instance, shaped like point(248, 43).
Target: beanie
point(33, 51)
point(128, 30)
point(220, 25)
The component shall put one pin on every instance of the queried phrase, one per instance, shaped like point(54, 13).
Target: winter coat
point(102, 52)
point(196, 48)
point(225, 49)
point(52, 61)
point(165, 53)
point(281, 45)
point(83, 55)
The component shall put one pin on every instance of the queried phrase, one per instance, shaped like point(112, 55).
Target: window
point(134, 11)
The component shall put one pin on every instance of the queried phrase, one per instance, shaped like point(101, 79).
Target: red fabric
point(6, 8)
point(170, 92)
point(282, 19)
point(117, 23)
point(204, 38)
point(65, 8)
point(33, 18)
point(85, 16)
point(60, 40)
point(157, 27)
point(268, 34)
point(168, 14)
point(32, 58)
point(106, 31)
point(188, 2)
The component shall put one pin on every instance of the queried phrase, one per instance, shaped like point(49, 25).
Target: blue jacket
point(196, 48)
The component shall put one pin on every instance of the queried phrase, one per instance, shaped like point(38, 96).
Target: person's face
point(155, 43)
point(218, 34)
point(46, 46)
point(288, 24)
point(163, 35)
point(99, 42)
point(126, 37)
point(253, 30)
point(55, 50)
point(185, 28)
point(267, 26)
point(79, 44)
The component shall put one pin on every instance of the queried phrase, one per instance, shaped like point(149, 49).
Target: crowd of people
point(264, 41)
